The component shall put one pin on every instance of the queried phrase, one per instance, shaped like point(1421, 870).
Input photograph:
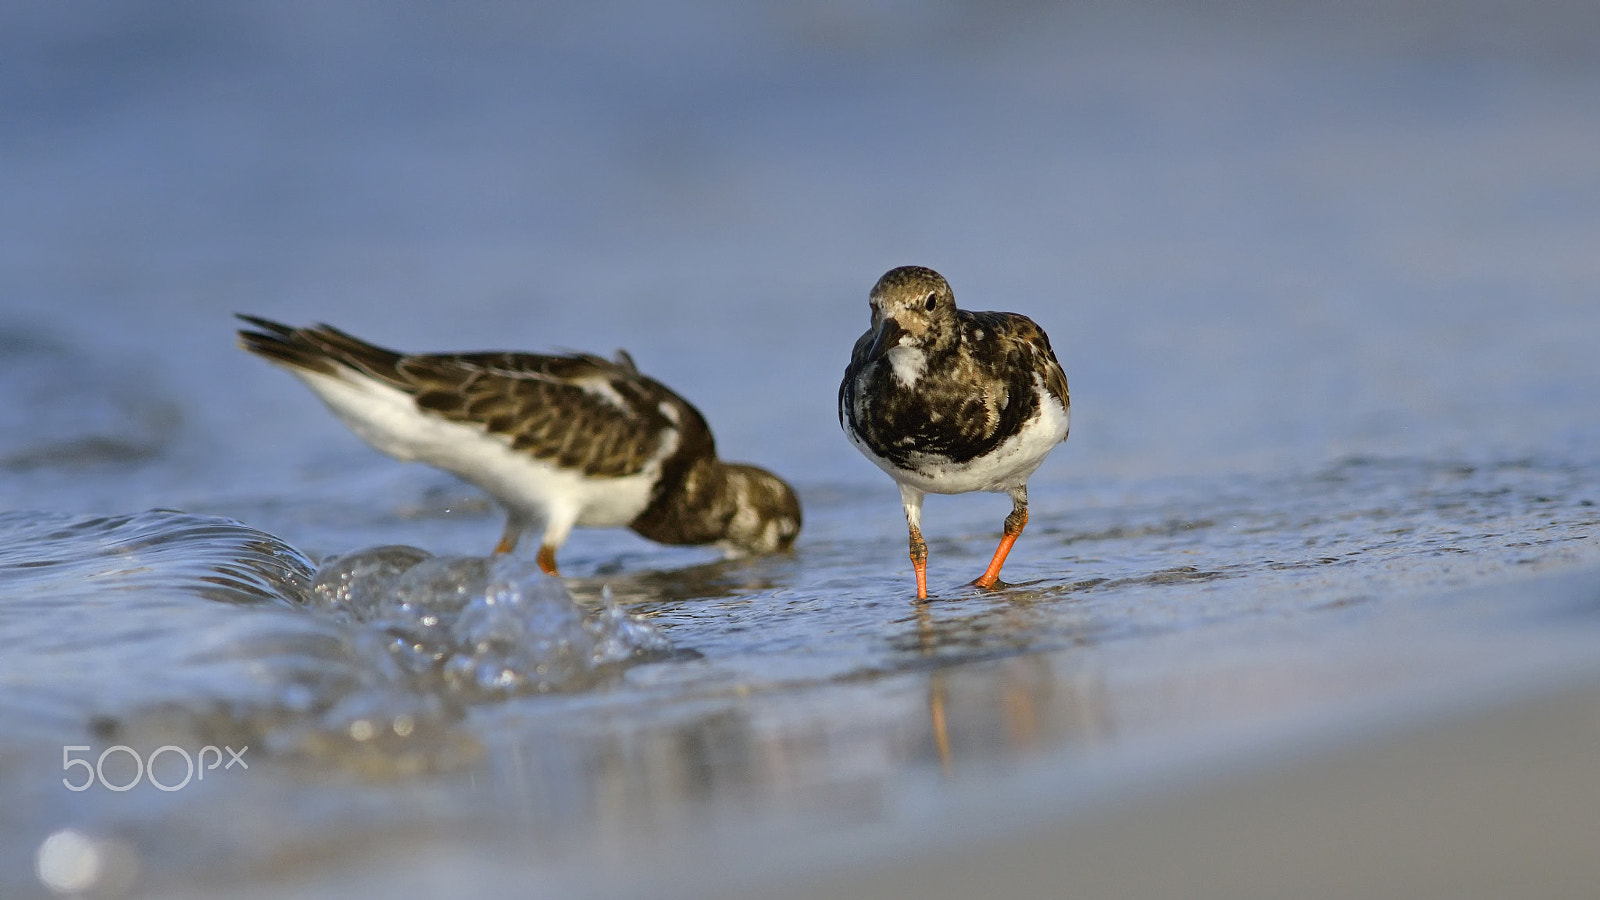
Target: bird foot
point(992, 584)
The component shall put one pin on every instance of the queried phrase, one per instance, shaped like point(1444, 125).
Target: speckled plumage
point(949, 401)
point(559, 440)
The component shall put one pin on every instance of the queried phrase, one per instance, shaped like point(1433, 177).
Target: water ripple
point(163, 623)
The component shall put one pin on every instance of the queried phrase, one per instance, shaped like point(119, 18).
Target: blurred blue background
point(1260, 235)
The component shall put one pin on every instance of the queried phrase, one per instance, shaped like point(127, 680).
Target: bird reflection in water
point(990, 704)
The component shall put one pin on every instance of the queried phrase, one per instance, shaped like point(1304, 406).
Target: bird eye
point(930, 303)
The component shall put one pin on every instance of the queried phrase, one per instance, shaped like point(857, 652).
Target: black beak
point(887, 338)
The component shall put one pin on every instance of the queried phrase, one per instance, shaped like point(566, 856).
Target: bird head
point(767, 516)
point(911, 306)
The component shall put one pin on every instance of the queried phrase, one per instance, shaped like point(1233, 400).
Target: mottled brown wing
point(1030, 339)
point(579, 411)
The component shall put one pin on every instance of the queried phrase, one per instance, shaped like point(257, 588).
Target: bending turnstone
point(557, 440)
point(949, 401)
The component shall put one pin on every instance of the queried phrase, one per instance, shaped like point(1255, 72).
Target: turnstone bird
point(557, 440)
point(949, 401)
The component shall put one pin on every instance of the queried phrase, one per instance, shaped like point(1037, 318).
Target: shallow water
point(1325, 292)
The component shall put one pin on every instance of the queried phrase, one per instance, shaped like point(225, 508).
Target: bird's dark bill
point(887, 338)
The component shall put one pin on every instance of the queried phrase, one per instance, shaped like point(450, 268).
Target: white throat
point(908, 363)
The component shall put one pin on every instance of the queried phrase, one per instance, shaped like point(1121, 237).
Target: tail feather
point(319, 348)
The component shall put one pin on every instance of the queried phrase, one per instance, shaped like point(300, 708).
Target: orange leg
point(1014, 525)
point(919, 561)
point(513, 533)
point(510, 536)
point(547, 560)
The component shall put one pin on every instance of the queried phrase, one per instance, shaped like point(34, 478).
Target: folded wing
point(582, 412)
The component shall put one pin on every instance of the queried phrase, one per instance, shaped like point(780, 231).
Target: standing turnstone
point(557, 440)
point(948, 401)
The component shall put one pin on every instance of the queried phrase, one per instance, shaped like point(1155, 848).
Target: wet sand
point(1488, 803)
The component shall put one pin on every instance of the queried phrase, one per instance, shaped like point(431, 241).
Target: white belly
point(1007, 467)
point(387, 419)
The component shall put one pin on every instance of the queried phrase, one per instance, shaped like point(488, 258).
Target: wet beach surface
point(1323, 284)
